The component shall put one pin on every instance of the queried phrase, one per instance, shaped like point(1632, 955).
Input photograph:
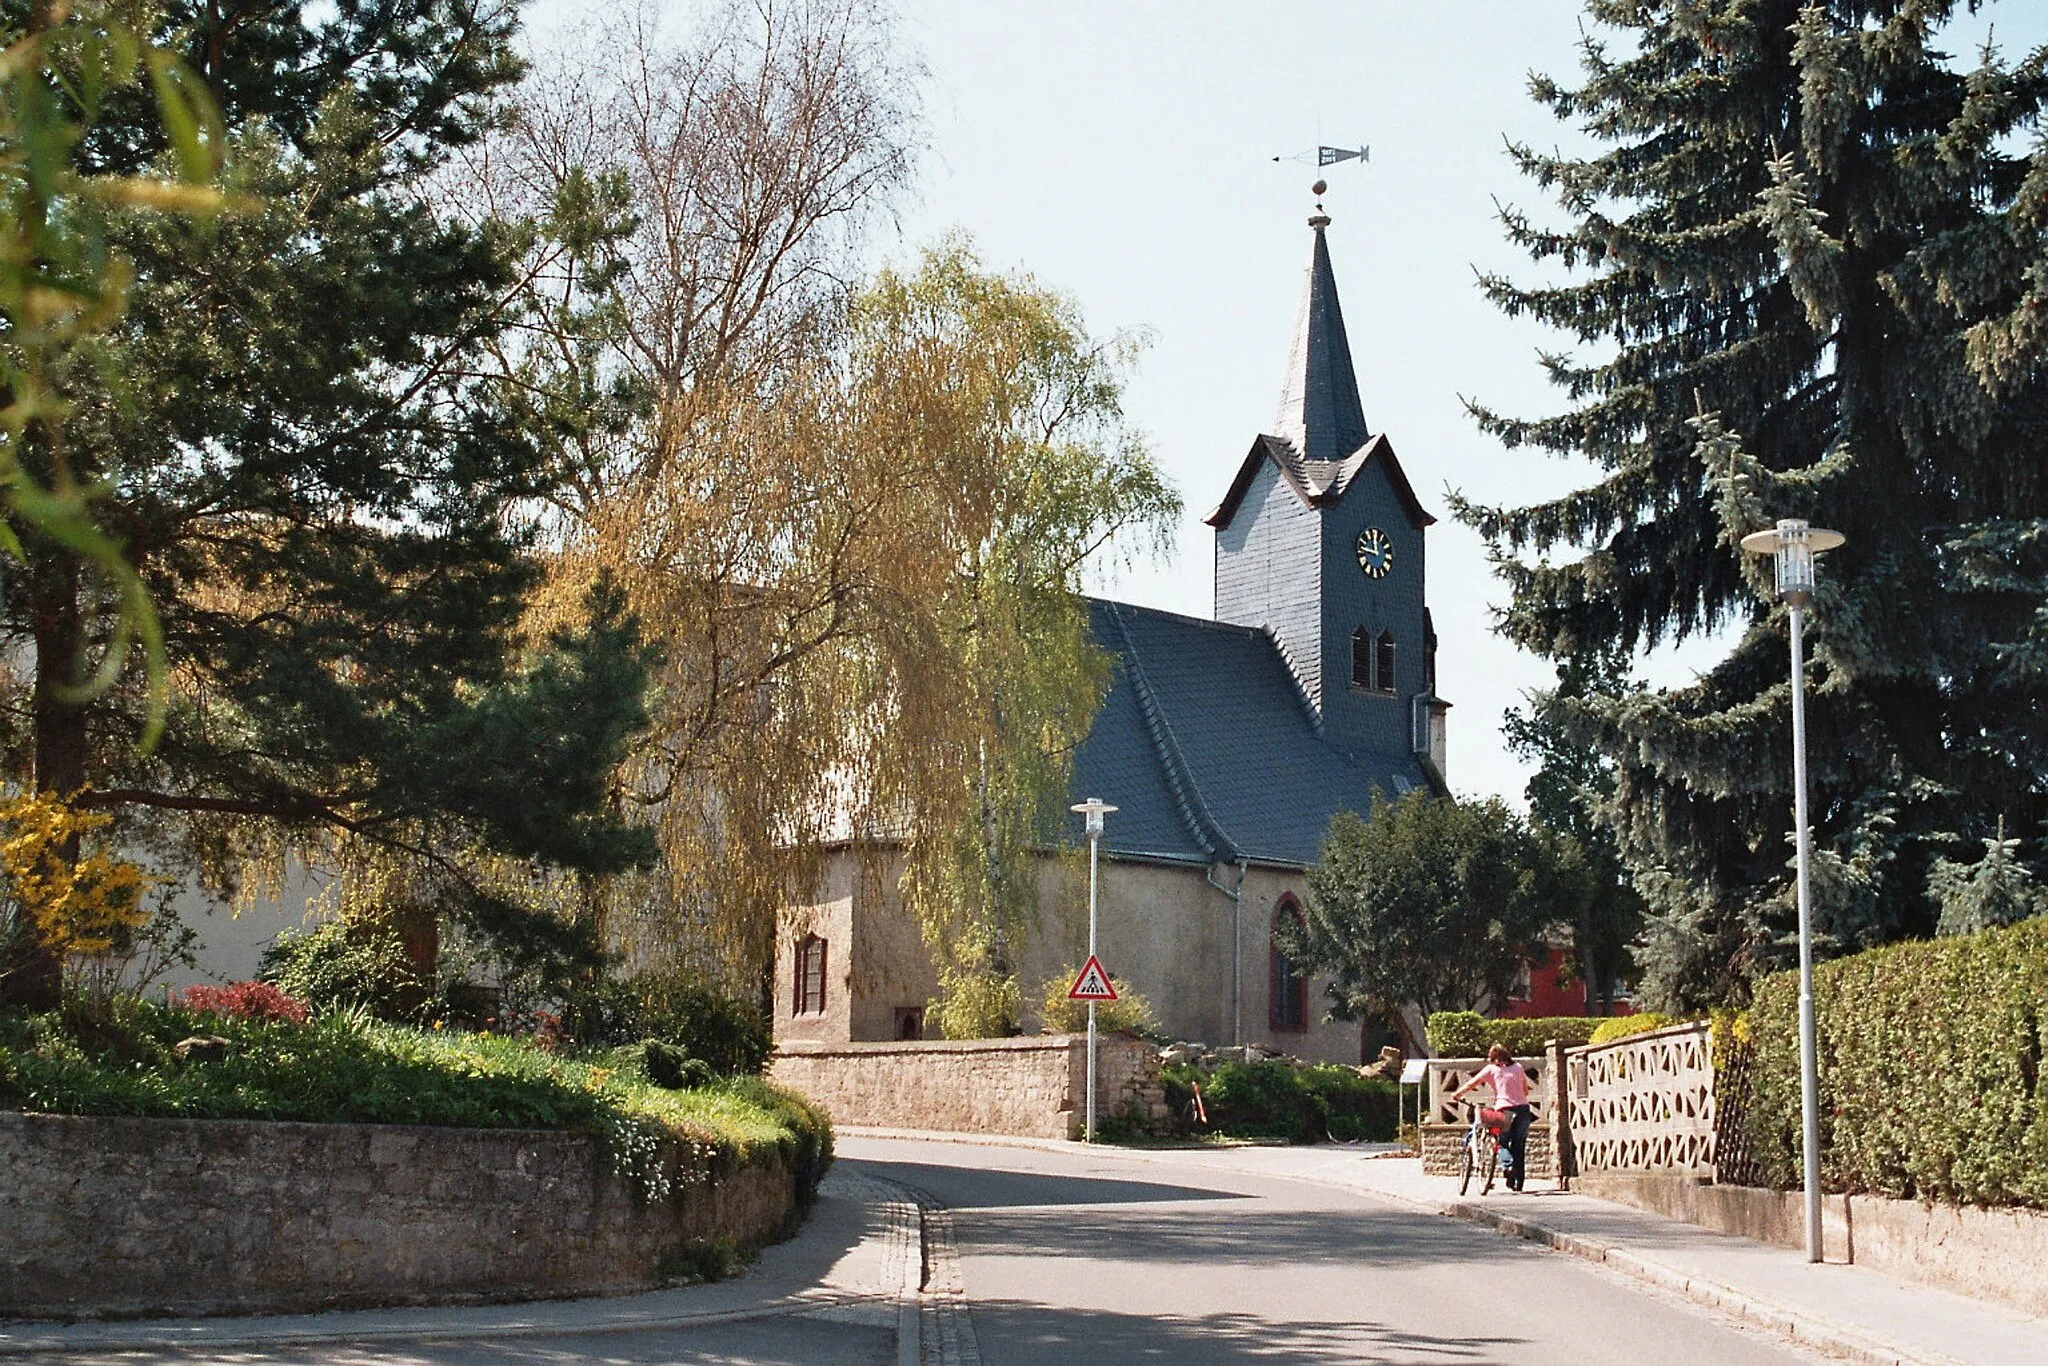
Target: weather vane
point(1330, 156)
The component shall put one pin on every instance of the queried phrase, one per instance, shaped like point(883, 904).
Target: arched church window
point(810, 976)
point(1361, 658)
point(1288, 1008)
point(1383, 663)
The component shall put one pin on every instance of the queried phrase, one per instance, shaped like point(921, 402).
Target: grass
point(348, 1069)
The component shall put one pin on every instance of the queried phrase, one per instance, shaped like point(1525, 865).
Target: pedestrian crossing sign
point(1093, 983)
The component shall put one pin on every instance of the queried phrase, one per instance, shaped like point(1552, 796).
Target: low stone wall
point(134, 1216)
point(1443, 1144)
point(1987, 1254)
point(1031, 1087)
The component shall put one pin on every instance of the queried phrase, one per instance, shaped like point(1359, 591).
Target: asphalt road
point(1077, 1256)
point(1074, 1256)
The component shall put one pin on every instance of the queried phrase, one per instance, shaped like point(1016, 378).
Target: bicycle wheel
point(1489, 1148)
point(1465, 1166)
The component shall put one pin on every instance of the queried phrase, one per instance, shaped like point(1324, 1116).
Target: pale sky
point(1122, 153)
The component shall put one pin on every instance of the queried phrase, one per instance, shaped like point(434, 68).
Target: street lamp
point(1793, 544)
point(1094, 809)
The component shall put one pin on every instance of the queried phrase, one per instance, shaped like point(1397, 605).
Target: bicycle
point(1482, 1152)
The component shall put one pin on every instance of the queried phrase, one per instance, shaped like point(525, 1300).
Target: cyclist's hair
point(1499, 1053)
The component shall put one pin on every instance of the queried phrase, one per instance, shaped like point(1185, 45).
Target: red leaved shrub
point(258, 1001)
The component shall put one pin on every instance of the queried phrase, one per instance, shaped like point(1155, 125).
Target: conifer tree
point(1808, 258)
point(294, 445)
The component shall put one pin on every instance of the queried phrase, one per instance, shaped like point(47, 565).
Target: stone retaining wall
point(1031, 1087)
point(1987, 1254)
point(1444, 1144)
point(134, 1216)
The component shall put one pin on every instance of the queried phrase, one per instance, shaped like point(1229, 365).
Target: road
point(1073, 1255)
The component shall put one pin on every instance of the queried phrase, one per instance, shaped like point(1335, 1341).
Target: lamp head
point(1094, 809)
point(1792, 544)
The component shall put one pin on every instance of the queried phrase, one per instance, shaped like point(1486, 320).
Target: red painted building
point(1546, 988)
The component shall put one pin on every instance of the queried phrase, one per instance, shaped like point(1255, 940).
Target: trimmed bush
point(1643, 1022)
point(1931, 1081)
point(345, 964)
point(728, 1035)
point(1466, 1034)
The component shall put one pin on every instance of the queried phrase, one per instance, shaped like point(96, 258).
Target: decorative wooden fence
point(1644, 1103)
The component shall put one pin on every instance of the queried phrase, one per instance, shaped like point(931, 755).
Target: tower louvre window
point(1383, 663)
point(1361, 658)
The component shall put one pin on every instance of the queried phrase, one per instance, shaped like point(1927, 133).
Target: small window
point(810, 976)
point(1383, 663)
point(1288, 1012)
point(1361, 659)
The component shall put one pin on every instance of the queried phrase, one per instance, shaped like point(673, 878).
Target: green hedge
point(1642, 1022)
point(1466, 1034)
point(1931, 1081)
point(1274, 1099)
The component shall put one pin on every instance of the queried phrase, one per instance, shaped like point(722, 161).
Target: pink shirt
point(1510, 1084)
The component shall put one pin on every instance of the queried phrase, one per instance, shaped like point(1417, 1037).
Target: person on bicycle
point(1510, 1097)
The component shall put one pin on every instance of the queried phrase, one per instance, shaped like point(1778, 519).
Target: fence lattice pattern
point(1645, 1103)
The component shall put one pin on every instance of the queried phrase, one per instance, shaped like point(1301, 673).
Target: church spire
point(1319, 409)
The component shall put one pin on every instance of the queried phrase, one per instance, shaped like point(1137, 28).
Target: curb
point(1802, 1328)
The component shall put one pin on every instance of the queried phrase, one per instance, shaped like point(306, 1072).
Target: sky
point(1123, 154)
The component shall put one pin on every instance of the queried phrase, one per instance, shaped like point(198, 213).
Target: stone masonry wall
point(1031, 1087)
point(131, 1216)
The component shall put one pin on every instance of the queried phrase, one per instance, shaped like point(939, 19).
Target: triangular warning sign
point(1093, 983)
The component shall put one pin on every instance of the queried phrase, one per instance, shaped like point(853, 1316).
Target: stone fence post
point(1558, 1084)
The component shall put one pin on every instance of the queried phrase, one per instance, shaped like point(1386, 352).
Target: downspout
point(1236, 948)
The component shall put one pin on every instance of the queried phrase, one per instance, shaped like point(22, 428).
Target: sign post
point(1094, 809)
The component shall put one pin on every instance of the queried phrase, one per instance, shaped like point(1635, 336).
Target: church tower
point(1319, 541)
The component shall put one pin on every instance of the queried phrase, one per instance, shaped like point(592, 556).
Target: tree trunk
point(32, 969)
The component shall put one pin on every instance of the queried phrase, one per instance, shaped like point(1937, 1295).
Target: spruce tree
point(295, 440)
point(1808, 260)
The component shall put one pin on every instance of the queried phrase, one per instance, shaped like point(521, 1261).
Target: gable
point(1319, 482)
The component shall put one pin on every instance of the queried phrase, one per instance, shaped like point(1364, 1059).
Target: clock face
point(1375, 553)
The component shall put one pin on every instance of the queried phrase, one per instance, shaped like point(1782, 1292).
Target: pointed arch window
point(810, 977)
point(1361, 658)
point(1287, 1011)
point(1383, 662)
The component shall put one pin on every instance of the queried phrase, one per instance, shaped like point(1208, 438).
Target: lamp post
point(1792, 544)
point(1094, 809)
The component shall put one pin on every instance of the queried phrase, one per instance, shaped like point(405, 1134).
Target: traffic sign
point(1093, 984)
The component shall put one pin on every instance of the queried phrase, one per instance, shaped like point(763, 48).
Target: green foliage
point(1430, 902)
point(664, 1064)
point(975, 1002)
point(1930, 1070)
point(1130, 1012)
point(348, 963)
point(1274, 1099)
point(1622, 1026)
point(1997, 890)
point(347, 1068)
point(728, 1035)
point(1468, 1034)
point(1806, 271)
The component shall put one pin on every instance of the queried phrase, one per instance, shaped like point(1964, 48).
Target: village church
point(1227, 746)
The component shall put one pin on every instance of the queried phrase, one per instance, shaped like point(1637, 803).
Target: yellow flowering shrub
point(84, 905)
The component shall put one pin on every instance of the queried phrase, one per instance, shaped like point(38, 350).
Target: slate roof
point(1317, 482)
point(1210, 751)
point(1320, 413)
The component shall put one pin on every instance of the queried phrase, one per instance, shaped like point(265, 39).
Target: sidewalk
point(857, 1260)
point(1847, 1311)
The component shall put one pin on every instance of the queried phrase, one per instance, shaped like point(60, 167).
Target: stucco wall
point(124, 1216)
point(1030, 1087)
point(1164, 929)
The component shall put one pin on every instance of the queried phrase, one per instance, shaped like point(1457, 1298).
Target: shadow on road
point(967, 1188)
point(1265, 1236)
point(1029, 1333)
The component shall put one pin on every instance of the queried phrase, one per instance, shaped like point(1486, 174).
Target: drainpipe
point(1236, 896)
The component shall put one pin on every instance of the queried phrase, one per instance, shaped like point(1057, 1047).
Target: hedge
point(1930, 1071)
point(1642, 1022)
point(1276, 1099)
point(1466, 1034)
